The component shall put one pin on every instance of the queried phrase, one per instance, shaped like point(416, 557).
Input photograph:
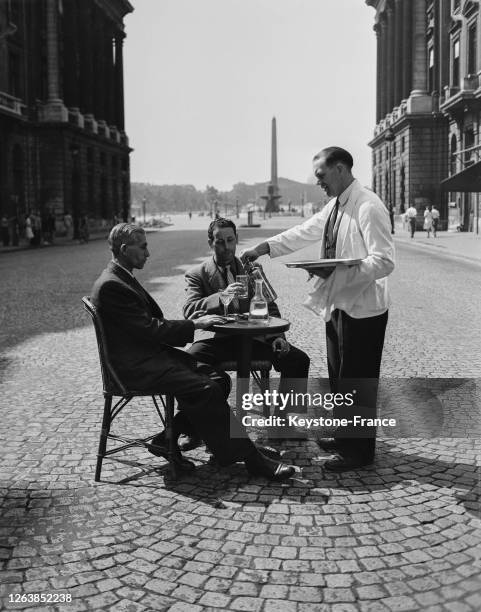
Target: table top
point(247, 328)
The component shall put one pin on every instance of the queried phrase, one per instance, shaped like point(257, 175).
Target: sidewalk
point(465, 245)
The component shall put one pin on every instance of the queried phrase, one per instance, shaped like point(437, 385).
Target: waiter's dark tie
point(330, 246)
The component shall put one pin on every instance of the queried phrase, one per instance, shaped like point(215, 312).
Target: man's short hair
point(334, 155)
point(123, 233)
point(220, 222)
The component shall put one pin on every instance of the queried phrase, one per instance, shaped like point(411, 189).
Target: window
point(456, 5)
point(455, 64)
point(452, 159)
point(472, 49)
point(468, 143)
point(403, 144)
point(431, 70)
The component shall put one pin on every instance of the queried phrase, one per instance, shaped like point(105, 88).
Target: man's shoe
point(260, 465)
point(269, 452)
point(345, 464)
point(330, 445)
point(187, 443)
point(158, 447)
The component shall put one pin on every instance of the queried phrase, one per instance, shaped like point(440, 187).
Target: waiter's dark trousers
point(354, 351)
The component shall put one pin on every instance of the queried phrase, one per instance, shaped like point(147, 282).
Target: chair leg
point(265, 387)
point(103, 435)
point(169, 433)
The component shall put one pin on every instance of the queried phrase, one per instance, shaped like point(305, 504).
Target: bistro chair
point(113, 387)
point(260, 369)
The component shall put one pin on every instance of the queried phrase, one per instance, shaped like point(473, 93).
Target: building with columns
point(63, 147)
point(426, 147)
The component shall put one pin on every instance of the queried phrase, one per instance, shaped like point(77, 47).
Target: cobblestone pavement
point(401, 535)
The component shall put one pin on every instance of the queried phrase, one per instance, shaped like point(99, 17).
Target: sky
point(203, 79)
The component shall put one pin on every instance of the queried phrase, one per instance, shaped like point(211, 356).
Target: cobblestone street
point(401, 535)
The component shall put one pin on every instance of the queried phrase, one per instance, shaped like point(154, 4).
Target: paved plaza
point(401, 535)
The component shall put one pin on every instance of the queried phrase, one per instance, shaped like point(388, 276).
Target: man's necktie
point(231, 279)
point(330, 237)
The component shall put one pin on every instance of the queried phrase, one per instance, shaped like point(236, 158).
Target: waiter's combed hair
point(334, 155)
point(123, 233)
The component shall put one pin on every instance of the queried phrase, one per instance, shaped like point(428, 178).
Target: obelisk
point(274, 155)
point(272, 198)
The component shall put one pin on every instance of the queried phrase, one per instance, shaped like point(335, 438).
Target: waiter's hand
point(208, 320)
point(249, 255)
point(322, 272)
point(281, 347)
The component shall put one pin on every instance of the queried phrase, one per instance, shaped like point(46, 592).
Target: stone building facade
point(63, 147)
point(426, 141)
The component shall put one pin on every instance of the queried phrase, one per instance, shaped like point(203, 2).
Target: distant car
point(201, 214)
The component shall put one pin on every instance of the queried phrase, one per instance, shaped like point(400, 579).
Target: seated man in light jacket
point(217, 273)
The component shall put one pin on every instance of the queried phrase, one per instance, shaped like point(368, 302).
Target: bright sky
point(203, 79)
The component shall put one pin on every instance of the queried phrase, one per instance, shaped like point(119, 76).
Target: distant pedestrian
point(411, 215)
point(84, 233)
point(5, 231)
point(435, 213)
point(67, 223)
point(14, 230)
point(52, 225)
point(45, 228)
point(36, 228)
point(190, 214)
point(29, 235)
point(428, 221)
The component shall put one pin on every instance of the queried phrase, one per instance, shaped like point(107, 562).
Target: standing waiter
point(352, 300)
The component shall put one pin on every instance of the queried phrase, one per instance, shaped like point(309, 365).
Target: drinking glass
point(244, 280)
point(226, 298)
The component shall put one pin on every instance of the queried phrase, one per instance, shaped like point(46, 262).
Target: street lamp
point(144, 205)
point(389, 137)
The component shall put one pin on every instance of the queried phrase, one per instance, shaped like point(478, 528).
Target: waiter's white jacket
point(364, 232)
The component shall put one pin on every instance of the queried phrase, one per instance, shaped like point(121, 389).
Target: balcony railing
point(12, 104)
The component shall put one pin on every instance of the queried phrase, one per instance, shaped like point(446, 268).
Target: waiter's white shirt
point(364, 233)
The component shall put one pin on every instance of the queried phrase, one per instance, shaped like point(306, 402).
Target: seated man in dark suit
point(217, 273)
point(140, 342)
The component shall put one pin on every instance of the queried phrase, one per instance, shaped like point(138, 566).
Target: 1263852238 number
point(40, 598)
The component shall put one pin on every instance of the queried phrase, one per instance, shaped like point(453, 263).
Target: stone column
point(86, 65)
point(379, 83)
point(390, 58)
point(419, 100)
point(407, 49)
point(398, 52)
point(419, 64)
point(119, 80)
point(54, 109)
point(383, 90)
point(71, 58)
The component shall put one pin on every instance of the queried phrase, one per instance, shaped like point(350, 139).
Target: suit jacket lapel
point(214, 275)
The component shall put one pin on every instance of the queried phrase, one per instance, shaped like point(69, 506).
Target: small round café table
point(247, 332)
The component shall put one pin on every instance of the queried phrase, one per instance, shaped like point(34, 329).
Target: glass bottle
point(255, 272)
point(258, 312)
